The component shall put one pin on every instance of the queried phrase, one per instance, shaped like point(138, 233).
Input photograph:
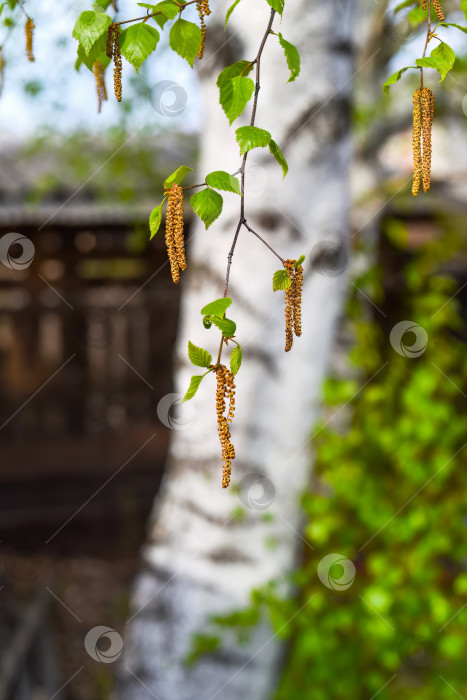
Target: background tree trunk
point(202, 557)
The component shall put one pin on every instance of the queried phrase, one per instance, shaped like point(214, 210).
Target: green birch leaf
point(194, 386)
point(394, 78)
point(198, 356)
point(300, 261)
point(185, 39)
point(221, 180)
point(442, 58)
point(137, 42)
point(457, 26)
point(226, 325)
point(417, 15)
point(464, 8)
point(292, 56)
point(96, 53)
point(232, 71)
point(281, 280)
point(234, 95)
point(155, 219)
point(208, 205)
point(235, 359)
point(229, 12)
point(89, 27)
point(277, 5)
point(167, 7)
point(277, 153)
point(177, 177)
point(217, 308)
point(249, 137)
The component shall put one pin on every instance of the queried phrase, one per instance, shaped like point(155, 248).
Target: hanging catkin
point(297, 301)
point(29, 31)
point(117, 56)
point(225, 390)
point(438, 9)
point(424, 107)
point(428, 109)
point(203, 9)
point(174, 237)
point(293, 303)
point(109, 44)
point(99, 75)
point(417, 145)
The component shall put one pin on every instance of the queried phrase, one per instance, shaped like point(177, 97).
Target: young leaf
point(194, 386)
point(457, 26)
point(185, 39)
point(208, 205)
point(96, 53)
point(229, 12)
point(416, 16)
point(177, 177)
point(234, 96)
point(221, 180)
point(277, 5)
point(225, 325)
point(89, 27)
point(235, 359)
point(198, 356)
point(249, 137)
point(217, 308)
point(464, 8)
point(281, 280)
point(137, 42)
point(292, 56)
point(394, 78)
point(155, 219)
point(300, 261)
point(277, 153)
point(442, 58)
point(232, 71)
point(169, 8)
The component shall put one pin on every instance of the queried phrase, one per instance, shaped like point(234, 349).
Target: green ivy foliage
point(388, 493)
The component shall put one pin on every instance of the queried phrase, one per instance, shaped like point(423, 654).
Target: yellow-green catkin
point(297, 301)
point(289, 307)
point(225, 391)
point(417, 145)
point(174, 236)
point(438, 9)
point(109, 44)
point(428, 110)
point(29, 31)
point(99, 75)
point(117, 56)
point(203, 10)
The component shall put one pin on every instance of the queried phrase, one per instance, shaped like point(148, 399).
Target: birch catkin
point(99, 75)
point(203, 10)
point(225, 390)
point(117, 56)
point(438, 9)
point(423, 112)
point(417, 145)
point(29, 31)
point(174, 237)
point(293, 303)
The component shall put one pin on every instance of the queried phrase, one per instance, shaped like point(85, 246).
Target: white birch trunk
point(200, 559)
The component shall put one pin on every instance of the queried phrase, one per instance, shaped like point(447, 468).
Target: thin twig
point(263, 241)
point(428, 38)
point(153, 14)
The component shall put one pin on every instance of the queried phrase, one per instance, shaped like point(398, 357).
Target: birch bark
point(200, 557)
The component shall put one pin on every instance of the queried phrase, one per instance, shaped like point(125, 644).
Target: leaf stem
point(153, 14)
point(428, 37)
point(263, 241)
